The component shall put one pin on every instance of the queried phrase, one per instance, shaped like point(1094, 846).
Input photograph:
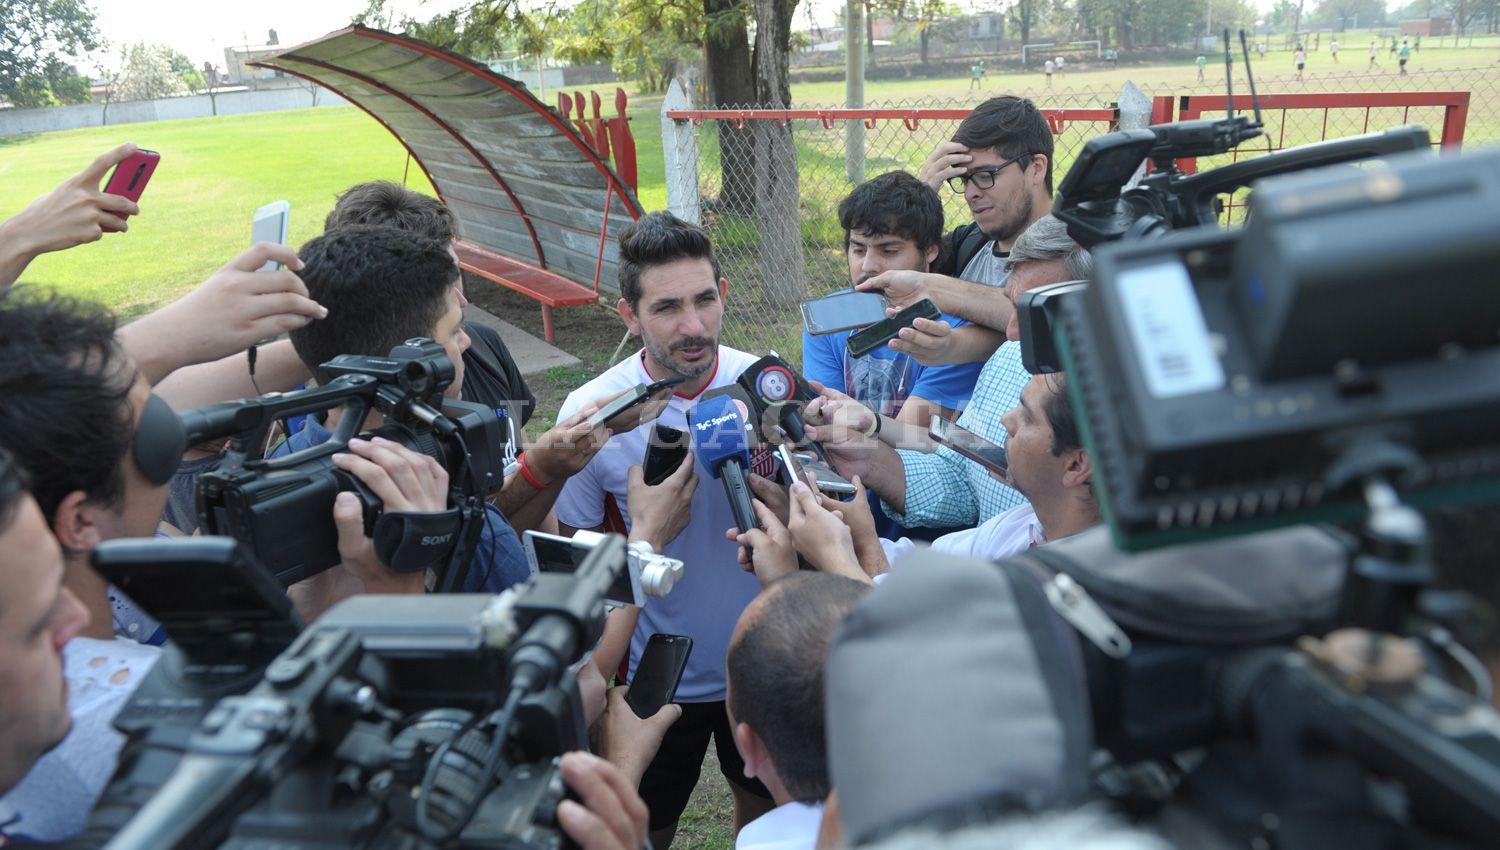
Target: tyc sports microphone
point(717, 427)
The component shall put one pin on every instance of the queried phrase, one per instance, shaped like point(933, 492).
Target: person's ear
point(752, 750)
point(1079, 469)
point(76, 523)
point(1038, 168)
point(632, 322)
point(931, 254)
point(724, 289)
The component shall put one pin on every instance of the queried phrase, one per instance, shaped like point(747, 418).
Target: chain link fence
point(767, 188)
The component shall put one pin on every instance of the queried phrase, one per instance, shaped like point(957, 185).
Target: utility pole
point(854, 90)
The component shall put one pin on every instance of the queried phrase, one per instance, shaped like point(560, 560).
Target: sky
point(202, 30)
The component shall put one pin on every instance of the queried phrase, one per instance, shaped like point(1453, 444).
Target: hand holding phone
point(665, 449)
point(842, 311)
point(989, 455)
point(130, 177)
point(631, 398)
point(270, 225)
point(882, 332)
point(658, 673)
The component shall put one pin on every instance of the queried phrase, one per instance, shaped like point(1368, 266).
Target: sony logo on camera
point(437, 539)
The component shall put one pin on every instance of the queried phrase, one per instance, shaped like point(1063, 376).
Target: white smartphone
point(550, 553)
point(269, 225)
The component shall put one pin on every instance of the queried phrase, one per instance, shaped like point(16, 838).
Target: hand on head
point(949, 159)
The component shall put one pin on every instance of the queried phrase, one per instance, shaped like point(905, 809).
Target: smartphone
point(638, 394)
point(130, 177)
point(829, 481)
point(665, 449)
point(863, 342)
point(789, 463)
point(969, 444)
point(843, 310)
point(269, 224)
point(658, 673)
point(202, 589)
point(550, 553)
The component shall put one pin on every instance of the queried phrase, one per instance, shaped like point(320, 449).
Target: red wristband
point(529, 475)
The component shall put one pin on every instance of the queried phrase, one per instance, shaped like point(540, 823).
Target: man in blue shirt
point(383, 286)
point(890, 222)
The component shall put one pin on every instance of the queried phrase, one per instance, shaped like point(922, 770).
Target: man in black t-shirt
point(491, 376)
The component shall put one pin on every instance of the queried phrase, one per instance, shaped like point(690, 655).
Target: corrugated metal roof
point(515, 173)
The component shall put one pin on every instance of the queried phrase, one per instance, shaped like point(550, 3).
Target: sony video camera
point(1336, 357)
point(1098, 203)
point(282, 507)
point(430, 721)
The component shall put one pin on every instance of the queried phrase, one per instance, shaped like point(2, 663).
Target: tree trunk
point(731, 84)
point(869, 32)
point(923, 44)
point(777, 213)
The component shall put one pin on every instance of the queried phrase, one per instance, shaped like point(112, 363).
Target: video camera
point(281, 507)
point(1338, 354)
point(1094, 201)
point(393, 722)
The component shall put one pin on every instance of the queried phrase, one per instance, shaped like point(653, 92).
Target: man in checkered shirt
point(943, 488)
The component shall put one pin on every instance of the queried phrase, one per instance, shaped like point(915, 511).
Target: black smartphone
point(656, 676)
point(638, 394)
point(202, 589)
point(665, 449)
point(843, 310)
point(863, 342)
point(989, 455)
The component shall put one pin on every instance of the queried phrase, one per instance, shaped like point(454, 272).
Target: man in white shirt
point(1051, 468)
point(673, 296)
point(775, 663)
point(1047, 463)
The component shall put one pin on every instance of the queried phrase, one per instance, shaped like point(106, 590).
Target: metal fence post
point(854, 91)
point(680, 147)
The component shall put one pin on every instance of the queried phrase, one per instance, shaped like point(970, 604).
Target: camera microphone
point(717, 426)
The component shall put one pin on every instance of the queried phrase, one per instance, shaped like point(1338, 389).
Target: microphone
point(775, 386)
point(717, 426)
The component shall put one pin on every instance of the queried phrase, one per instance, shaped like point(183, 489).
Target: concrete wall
point(16, 121)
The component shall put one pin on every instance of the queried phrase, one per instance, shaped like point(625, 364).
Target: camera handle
point(1393, 564)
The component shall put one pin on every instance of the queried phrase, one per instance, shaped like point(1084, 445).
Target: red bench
point(552, 290)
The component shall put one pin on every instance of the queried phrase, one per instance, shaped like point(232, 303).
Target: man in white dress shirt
point(775, 666)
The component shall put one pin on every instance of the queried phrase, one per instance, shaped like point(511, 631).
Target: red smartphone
point(130, 177)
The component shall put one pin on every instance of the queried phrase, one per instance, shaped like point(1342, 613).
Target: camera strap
point(412, 542)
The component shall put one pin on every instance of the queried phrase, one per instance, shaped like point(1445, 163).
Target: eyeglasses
point(984, 178)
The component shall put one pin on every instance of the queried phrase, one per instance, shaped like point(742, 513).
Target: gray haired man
point(943, 488)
